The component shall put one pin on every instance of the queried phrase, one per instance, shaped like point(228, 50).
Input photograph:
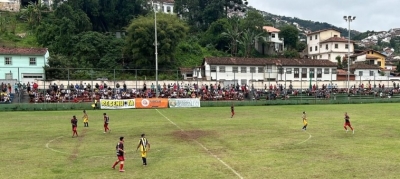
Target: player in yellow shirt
point(144, 146)
point(304, 121)
point(85, 119)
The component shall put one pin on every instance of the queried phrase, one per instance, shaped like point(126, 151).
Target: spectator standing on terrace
point(74, 123)
point(9, 87)
point(15, 87)
point(124, 86)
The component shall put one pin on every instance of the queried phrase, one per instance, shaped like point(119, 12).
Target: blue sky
point(370, 14)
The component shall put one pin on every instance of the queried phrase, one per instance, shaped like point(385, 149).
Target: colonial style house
point(371, 57)
point(327, 44)
point(245, 70)
point(165, 6)
point(23, 64)
point(274, 44)
point(364, 71)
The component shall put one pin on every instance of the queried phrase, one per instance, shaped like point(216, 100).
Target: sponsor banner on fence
point(151, 103)
point(184, 103)
point(117, 104)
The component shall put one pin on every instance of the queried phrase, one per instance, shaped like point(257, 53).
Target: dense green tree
point(290, 35)
point(233, 33)
point(213, 36)
point(140, 40)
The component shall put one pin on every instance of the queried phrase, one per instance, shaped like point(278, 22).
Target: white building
point(274, 44)
point(364, 71)
point(327, 44)
point(245, 70)
point(165, 6)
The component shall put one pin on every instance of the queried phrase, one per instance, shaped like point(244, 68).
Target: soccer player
point(232, 110)
point(347, 122)
point(120, 154)
point(304, 121)
point(85, 119)
point(144, 146)
point(74, 123)
point(106, 121)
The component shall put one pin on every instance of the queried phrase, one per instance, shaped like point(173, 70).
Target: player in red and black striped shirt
point(347, 122)
point(74, 123)
point(106, 121)
point(232, 110)
point(120, 154)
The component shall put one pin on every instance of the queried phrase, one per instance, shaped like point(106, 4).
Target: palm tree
point(248, 40)
point(233, 33)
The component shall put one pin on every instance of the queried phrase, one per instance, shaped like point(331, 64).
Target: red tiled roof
point(363, 66)
point(341, 72)
point(271, 29)
point(336, 39)
point(22, 51)
point(267, 61)
point(316, 32)
point(186, 70)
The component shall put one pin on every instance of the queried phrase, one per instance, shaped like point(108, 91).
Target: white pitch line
point(205, 148)
point(54, 150)
point(309, 137)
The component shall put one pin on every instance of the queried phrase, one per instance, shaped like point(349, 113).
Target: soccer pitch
point(258, 142)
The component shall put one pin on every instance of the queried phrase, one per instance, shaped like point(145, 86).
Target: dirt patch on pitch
point(75, 151)
point(192, 134)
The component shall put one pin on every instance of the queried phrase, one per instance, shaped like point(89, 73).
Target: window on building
point(346, 46)
point(316, 48)
point(310, 37)
point(235, 69)
point(334, 35)
point(213, 69)
point(336, 45)
point(280, 70)
point(273, 35)
point(7, 61)
point(326, 70)
point(320, 56)
point(379, 63)
point(360, 73)
point(316, 37)
point(312, 72)
point(269, 68)
point(260, 69)
point(243, 69)
point(371, 73)
point(304, 73)
point(252, 69)
point(334, 71)
point(32, 61)
point(319, 72)
point(329, 56)
point(326, 47)
point(222, 69)
point(168, 9)
point(310, 49)
point(288, 70)
point(296, 73)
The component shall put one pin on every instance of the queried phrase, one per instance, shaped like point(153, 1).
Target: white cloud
point(370, 14)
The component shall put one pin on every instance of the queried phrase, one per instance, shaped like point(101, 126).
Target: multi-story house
point(165, 6)
point(327, 44)
point(371, 57)
point(23, 64)
point(274, 44)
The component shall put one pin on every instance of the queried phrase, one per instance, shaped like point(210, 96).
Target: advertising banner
point(144, 103)
point(184, 103)
point(117, 104)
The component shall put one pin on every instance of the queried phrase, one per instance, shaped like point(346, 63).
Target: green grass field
point(259, 142)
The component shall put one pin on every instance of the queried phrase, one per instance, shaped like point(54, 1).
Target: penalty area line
point(204, 147)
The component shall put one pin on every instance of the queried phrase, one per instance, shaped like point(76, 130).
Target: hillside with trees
point(108, 35)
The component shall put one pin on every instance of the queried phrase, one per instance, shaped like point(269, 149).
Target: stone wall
point(8, 6)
